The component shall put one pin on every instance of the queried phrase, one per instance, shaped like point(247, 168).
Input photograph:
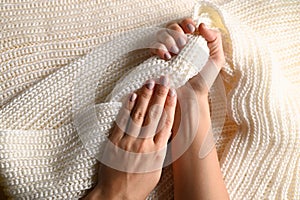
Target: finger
point(122, 119)
point(209, 35)
point(188, 25)
point(161, 50)
point(165, 126)
point(155, 109)
point(177, 33)
point(164, 37)
point(139, 111)
point(214, 43)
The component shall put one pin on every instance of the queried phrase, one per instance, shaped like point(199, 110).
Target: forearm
point(196, 178)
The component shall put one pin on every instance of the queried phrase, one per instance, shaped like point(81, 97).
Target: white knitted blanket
point(44, 44)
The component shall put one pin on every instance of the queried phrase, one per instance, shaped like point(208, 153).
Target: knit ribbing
point(44, 42)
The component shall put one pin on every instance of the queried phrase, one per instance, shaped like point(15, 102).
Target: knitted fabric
point(41, 154)
point(91, 120)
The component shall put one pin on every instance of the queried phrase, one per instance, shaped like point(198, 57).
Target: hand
point(141, 127)
point(171, 41)
point(194, 178)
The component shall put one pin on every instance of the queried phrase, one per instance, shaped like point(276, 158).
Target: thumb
point(214, 43)
point(208, 34)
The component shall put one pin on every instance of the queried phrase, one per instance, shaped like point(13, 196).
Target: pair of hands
point(149, 113)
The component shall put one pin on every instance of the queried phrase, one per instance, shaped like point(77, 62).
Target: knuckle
point(186, 20)
point(154, 114)
point(169, 40)
point(171, 25)
point(138, 115)
point(139, 146)
point(175, 27)
point(172, 22)
point(145, 94)
point(160, 47)
point(170, 103)
point(168, 123)
point(126, 145)
point(161, 91)
point(135, 147)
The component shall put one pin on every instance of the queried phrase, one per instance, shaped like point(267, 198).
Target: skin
point(194, 178)
point(116, 184)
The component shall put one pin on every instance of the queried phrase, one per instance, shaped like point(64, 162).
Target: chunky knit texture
point(44, 44)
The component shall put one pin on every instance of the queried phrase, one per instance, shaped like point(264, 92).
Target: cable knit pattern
point(44, 43)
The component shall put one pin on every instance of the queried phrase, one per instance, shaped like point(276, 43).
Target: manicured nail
point(174, 49)
point(191, 28)
point(181, 42)
point(133, 97)
point(172, 92)
point(150, 84)
point(167, 56)
point(164, 80)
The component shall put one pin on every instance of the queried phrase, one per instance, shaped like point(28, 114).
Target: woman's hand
point(173, 39)
point(143, 125)
point(195, 178)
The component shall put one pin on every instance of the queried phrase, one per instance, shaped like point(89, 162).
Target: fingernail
point(167, 56)
point(181, 42)
point(133, 97)
point(163, 80)
point(174, 49)
point(172, 92)
point(204, 26)
point(150, 84)
point(191, 28)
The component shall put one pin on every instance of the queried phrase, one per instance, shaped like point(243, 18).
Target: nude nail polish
point(191, 28)
point(174, 49)
point(172, 92)
point(167, 56)
point(133, 97)
point(164, 80)
point(181, 42)
point(150, 84)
